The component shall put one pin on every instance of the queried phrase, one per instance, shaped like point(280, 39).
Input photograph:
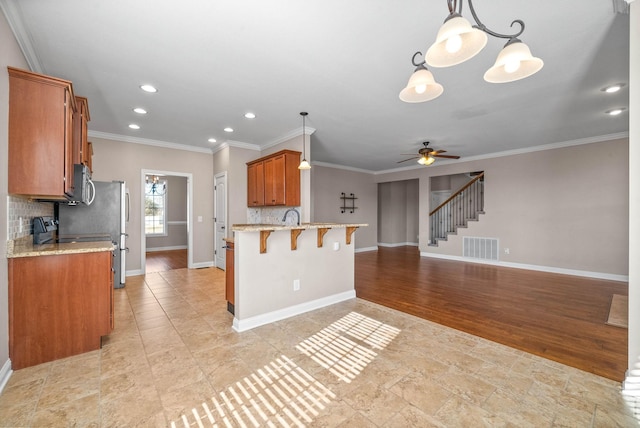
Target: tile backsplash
point(21, 214)
point(272, 215)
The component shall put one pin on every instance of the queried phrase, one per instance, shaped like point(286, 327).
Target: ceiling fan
point(427, 155)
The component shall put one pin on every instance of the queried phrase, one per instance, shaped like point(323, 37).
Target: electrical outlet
point(506, 251)
point(296, 284)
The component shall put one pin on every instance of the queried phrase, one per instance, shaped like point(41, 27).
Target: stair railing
point(464, 205)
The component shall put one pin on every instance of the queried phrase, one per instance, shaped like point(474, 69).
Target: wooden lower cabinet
point(230, 278)
point(59, 306)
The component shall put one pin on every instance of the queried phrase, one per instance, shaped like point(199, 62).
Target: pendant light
point(304, 164)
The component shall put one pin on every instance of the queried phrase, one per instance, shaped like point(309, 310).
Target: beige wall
point(328, 183)
point(176, 217)
point(564, 208)
point(233, 160)
point(116, 160)
point(398, 213)
point(10, 55)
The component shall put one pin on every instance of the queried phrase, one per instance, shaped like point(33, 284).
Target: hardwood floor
point(559, 317)
point(161, 261)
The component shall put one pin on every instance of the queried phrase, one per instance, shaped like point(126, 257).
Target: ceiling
point(343, 62)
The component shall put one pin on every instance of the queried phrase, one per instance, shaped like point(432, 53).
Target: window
point(155, 198)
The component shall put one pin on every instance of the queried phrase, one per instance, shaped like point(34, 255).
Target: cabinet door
point(40, 135)
point(68, 144)
point(255, 184)
point(80, 143)
point(59, 306)
point(274, 177)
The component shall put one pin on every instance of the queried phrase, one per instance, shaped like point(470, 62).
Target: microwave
point(84, 191)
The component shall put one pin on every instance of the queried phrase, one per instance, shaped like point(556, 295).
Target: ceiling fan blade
point(446, 156)
point(435, 152)
point(415, 157)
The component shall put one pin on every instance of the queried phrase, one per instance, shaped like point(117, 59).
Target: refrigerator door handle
point(126, 208)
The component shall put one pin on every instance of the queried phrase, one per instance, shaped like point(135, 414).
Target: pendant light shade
point(514, 62)
point(421, 87)
point(304, 164)
point(457, 41)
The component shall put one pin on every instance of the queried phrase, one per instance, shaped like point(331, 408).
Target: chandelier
point(458, 41)
point(155, 186)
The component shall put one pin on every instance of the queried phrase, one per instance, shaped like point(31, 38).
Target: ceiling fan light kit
point(426, 155)
point(457, 41)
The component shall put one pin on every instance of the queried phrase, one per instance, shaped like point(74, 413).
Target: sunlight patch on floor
point(342, 356)
point(281, 394)
point(278, 394)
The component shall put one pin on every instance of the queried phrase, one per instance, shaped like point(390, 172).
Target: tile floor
point(173, 360)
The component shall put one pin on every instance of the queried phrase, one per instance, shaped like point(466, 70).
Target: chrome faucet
point(284, 218)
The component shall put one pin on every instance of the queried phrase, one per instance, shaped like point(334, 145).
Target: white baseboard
point(258, 320)
point(134, 272)
point(202, 265)
point(550, 269)
point(362, 250)
point(177, 247)
point(398, 244)
point(5, 374)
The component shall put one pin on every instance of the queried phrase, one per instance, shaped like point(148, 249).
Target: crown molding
point(346, 168)
point(532, 149)
point(288, 136)
point(12, 12)
point(148, 142)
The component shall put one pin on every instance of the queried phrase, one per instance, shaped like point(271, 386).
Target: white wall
point(10, 55)
point(634, 187)
point(264, 282)
point(117, 160)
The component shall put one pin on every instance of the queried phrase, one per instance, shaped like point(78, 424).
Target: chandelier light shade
point(304, 164)
point(514, 62)
point(457, 41)
point(421, 87)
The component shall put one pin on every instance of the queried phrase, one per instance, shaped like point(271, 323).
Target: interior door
point(220, 190)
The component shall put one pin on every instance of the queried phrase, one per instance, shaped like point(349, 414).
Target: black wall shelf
point(348, 202)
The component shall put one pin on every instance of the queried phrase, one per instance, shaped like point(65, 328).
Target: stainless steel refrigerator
point(105, 218)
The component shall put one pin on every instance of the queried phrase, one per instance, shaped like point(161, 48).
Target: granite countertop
point(24, 247)
point(258, 227)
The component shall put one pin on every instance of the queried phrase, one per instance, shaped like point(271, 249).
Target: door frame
point(143, 240)
point(215, 213)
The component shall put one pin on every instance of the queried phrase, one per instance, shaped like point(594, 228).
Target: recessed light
point(134, 126)
point(615, 111)
point(211, 140)
point(227, 129)
point(140, 110)
point(148, 88)
point(613, 88)
point(250, 115)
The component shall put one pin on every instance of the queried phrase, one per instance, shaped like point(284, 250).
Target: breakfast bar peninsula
point(281, 271)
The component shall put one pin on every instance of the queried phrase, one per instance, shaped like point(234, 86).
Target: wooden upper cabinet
point(255, 184)
point(40, 151)
point(81, 151)
point(279, 180)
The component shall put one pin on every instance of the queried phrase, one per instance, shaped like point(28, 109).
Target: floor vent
point(480, 248)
